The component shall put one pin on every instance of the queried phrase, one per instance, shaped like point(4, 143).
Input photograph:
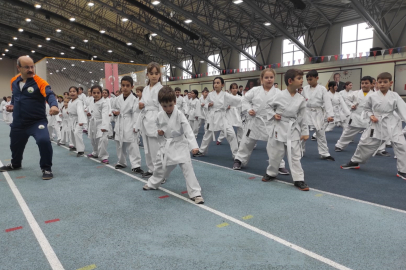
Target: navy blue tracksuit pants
point(19, 137)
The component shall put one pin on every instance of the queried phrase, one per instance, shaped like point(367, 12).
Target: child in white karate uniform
point(340, 108)
point(77, 119)
point(54, 123)
point(179, 99)
point(318, 107)
point(98, 111)
point(204, 109)
point(3, 108)
point(254, 103)
point(125, 107)
point(106, 97)
point(287, 112)
point(146, 122)
point(195, 112)
point(233, 114)
point(65, 132)
point(176, 139)
point(8, 116)
point(383, 108)
point(216, 120)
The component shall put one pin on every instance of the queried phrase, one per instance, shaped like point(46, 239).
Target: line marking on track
point(239, 222)
point(312, 189)
point(163, 197)
point(52, 220)
point(222, 225)
point(89, 267)
point(36, 229)
point(247, 217)
point(253, 177)
point(14, 229)
point(318, 195)
point(20, 177)
point(184, 192)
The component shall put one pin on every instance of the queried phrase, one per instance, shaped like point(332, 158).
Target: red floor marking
point(163, 197)
point(183, 192)
point(98, 167)
point(14, 229)
point(252, 177)
point(20, 177)
point(52, 220)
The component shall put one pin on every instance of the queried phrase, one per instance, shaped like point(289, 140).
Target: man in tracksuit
point(29, 94)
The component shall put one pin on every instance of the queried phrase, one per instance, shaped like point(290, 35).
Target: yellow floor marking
point(318, 195)
point(7, 159)
point(223, 225)
point(89, 267)
point(247, 217)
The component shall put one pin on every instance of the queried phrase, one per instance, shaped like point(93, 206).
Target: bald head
point(25, 66)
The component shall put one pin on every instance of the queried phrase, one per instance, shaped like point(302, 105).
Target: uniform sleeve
point(198, 109)
point(304, 127)
point(344, 106)
point(368, 108)
point(82, 119)
point(247, 101)
point(401, 107)
point(327, 103)
point(50, 97)
point(188, 132)
point(105, 116)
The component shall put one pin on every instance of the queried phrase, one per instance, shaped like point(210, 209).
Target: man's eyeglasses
point(28, 67)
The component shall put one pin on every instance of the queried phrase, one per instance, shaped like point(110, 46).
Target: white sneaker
point(198, 200)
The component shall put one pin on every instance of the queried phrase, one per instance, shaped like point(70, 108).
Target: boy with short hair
point(180, 102)
point(203, 101)
point(356, 123)
point(380, 108)
point(287, 111)
point(176, 139)
point(318, 104)
point(124, 108)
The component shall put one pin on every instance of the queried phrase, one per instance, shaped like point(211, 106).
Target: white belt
point(165, 148)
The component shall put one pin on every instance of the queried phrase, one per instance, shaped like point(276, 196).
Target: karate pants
point(192, 185)
point(367, 147)
point(230, 136)
point(151, 146)
point(77, 138)
point(203, 122)
point(19, 138)
point(54, 130)
point(321, 143)
point(65, 135)
point(276, 151)
point(247, 145)
point(348, 136)
point(9, 118)
point(132, 150)
point(194, 124)
point(240, 133)
point(4, 115)
point(100, 146)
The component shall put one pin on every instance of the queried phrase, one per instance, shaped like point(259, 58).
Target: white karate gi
point(174, 148)
point(356, 122)
point(9, 115)
point(233, 116)
point(388, 128)
point(126, 138)
point(147, 123)
point(285, 133)
point(111, 116)
point(340, 109)
point(318, 106)
point(65, 132)
point(77, 116)
point(204, 111)
point(53, 124)
point(257, 127)
point(3, 109)
point(99, 120)
point(195, 113)
point(180, 102)
point(216, 120)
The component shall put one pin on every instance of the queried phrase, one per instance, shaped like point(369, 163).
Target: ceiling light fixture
point(154, 34)
point(201, 61)
point(50, 73)
point(72, 19)
point(179, 48)
point(102, 31)
point(132, 61)
point(27, 19)
point(72, 48)
point(237, 2)
point(39, 46)
point(62, 53)
point(11, 45)
point(267, 24)
point(188, 21)
point(90, 72)
point(58, 30)
point(129, 43)
point(47, 39)
point(73, 65)
point(33, 51)
point(90, 4)
point(124, 19)
point(6, 50)
point(85, 40)
point(15, 38)
point(37, 6)
point(155, 3)
point(94, 56)
point(53, 58)
point(109, 51)
point(20, 30)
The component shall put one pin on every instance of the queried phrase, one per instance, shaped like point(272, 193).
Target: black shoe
point(72, 149)
point(338, 149)
point(147, 174)
point(383, 153)
point(401, 175)
point(237, 165)
point(301, 185)
point(9, 167)
point(199, 154)
point(350, 165)
point(163, 181)
point(314, 138)
point(328, 158)
point(47, 175)
point(268, 178)
point(119, 166)
point(137, 170)
point(283, 171)
point(80, 154)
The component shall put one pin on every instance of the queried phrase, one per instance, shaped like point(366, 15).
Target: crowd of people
point(169, 123)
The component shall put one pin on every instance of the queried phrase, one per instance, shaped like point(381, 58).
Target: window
point(166, 72)
point(215, 58)
point(245, 62)
point(187, 64)
point(290, 52)
point(356, 38)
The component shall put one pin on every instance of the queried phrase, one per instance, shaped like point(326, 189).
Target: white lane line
point(312, 189)
point(241, 223)
point(42, 240)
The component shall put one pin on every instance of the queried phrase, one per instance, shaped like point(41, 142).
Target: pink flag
point(111, 77)
point(348, 55)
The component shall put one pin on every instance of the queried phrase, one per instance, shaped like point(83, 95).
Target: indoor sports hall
point(90, 214)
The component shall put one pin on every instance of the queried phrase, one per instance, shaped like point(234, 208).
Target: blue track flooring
point(107, 220)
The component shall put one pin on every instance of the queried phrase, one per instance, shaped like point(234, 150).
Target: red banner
point(390, 51)
point(322, 58)
point(111, 77)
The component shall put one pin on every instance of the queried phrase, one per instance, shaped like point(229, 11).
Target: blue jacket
point(29, 103)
